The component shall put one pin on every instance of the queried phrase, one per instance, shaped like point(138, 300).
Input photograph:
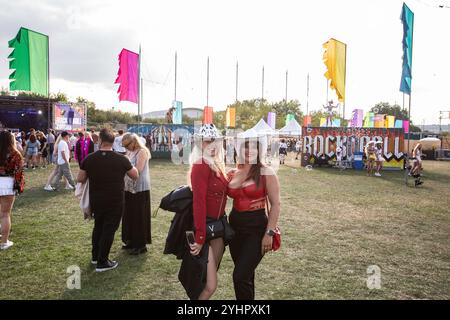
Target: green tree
point(394, 110)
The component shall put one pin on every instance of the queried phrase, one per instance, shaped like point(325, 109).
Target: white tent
point(263, 128)
point(291, 129)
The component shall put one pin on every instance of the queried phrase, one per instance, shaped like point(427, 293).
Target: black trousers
point(245, 249)
point(106, 223)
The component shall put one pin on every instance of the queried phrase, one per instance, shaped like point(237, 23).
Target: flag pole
point(286, 93)
point(139, 90)
point(262, 91)
point(345, 82)
point(207, 83)
point(409, 102)
point(175, 97)
point(307, 95)
point(237, 79)
point(49, 111)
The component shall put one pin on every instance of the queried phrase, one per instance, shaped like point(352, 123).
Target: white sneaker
point(48, 188)
point(69, 187)
point(7, 245)
point(377, 174)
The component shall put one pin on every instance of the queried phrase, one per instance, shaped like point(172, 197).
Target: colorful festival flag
point(272, 119)
point(306, 121)
point(289, 117)
point(208, 115)
point(128, 76)
point(406, 126)
point(177, 116)
point(390, 121)
point(231, 117)
point(29, 59)
point(407, 18)
point(334, 58)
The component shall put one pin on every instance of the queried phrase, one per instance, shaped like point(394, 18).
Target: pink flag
point(128, 76)
point(406, 126)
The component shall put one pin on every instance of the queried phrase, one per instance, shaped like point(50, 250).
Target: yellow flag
point(231, 117)
point(323, 122)
point(334, 58)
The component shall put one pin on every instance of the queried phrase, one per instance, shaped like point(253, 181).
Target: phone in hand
point(190, 237)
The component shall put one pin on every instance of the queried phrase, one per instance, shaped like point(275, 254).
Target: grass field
point(335, 224)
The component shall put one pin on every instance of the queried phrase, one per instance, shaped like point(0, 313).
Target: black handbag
point(219, 229)
point(214, 229)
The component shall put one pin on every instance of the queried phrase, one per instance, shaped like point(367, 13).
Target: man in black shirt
point(105, 170)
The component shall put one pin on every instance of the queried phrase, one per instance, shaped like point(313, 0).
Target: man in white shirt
point(117, 146)
point(63, 163)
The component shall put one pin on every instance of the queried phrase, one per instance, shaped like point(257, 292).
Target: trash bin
point(358, 162)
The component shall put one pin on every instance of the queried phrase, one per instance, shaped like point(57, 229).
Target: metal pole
point(262, 92)
point(237, 79)
point(409, 136)
point(49, 111)
point(207, 83)
point(286, 86)
point(139, 90)
point(345, 81)
point(307, 95)
point(175, 98)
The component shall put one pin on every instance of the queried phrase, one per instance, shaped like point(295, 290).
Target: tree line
point(248, 112)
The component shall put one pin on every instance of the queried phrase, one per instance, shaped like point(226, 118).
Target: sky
point(86, 37)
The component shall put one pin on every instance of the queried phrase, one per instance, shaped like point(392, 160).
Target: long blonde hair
point(129, 138)
point(216, 163)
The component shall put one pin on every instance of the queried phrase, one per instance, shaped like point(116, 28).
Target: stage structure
point(320, 143)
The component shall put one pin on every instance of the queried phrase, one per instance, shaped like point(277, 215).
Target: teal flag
point(177, 116)
point(407, 18)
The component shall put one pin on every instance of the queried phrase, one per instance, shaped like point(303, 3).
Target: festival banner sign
point(319, 144)
point(69, 117)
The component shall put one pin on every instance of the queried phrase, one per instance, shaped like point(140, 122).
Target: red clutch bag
point(276, 240)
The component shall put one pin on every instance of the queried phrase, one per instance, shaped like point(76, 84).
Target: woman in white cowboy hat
point(208, 181)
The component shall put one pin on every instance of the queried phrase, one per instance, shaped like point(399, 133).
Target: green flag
point(289, 118)
point(29, 59)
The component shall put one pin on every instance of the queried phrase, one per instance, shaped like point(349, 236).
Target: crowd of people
point(112, 197)
point(115, 169)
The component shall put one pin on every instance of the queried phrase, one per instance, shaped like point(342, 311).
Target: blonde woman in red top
point(251, 183)
point(209, 188)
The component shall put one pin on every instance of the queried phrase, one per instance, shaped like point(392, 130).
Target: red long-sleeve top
point(209, 191)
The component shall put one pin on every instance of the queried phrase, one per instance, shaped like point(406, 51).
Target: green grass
point(335, 224)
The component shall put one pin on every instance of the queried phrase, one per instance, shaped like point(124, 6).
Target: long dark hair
point(255, 169)
point(7, 146)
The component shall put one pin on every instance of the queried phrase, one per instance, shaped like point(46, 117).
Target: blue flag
point(177, 117)
point(408, 28)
